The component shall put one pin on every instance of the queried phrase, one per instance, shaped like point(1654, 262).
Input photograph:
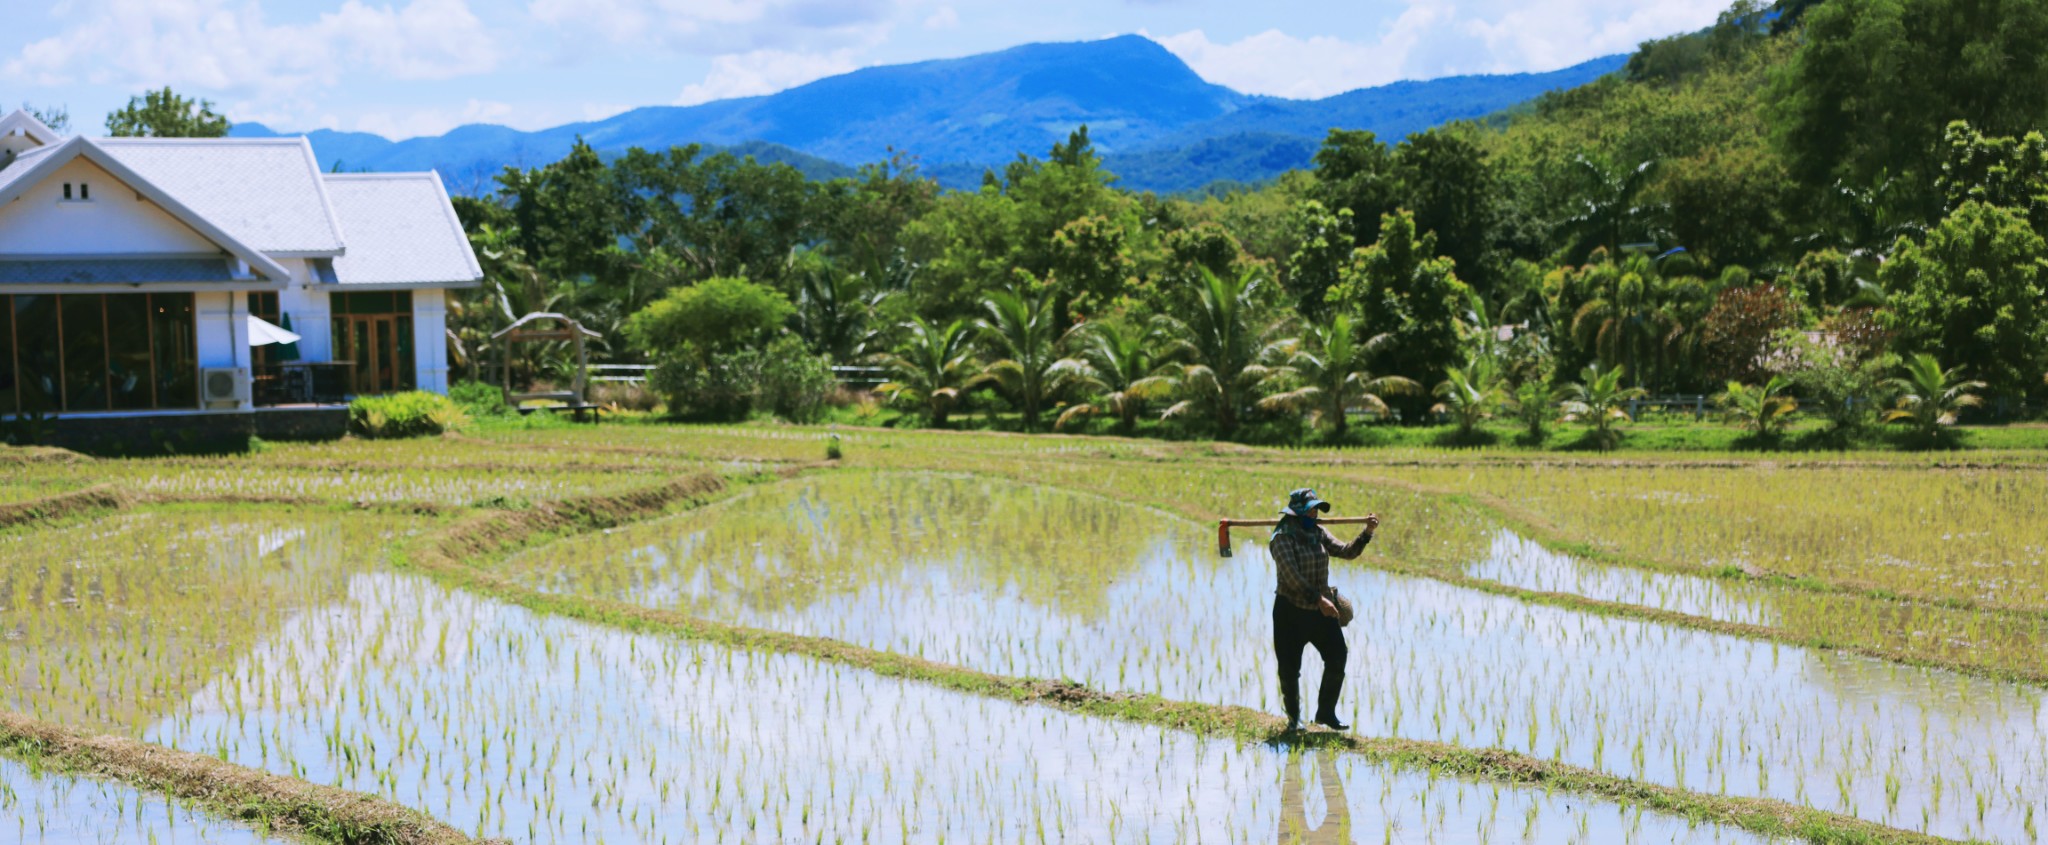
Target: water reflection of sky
point(43, 808)
point(542, 729)
point(1429, 661)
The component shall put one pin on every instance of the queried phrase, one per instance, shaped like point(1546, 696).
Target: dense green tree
point(1402, 288)
point(1448, 184)
point(720, 214)
point(2007, 172)
point(568, 214)
point(1874, 83)
point(166, 114)
point(1971, 294)
point(1323, 253)
point(1355, 171)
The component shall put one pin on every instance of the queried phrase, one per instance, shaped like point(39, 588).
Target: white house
point(130, 269)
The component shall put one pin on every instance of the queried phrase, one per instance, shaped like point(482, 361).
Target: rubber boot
point(1326, 700)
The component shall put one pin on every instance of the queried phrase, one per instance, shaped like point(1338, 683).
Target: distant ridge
point(1161, 126)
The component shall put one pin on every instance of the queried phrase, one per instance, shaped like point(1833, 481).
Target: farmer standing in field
point(1304, 605)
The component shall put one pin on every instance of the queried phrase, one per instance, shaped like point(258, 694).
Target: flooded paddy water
point(279, 640)
point(1032, 581)
point(44, 808)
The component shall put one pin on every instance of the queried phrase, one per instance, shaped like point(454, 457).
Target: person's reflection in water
point(1336, 826)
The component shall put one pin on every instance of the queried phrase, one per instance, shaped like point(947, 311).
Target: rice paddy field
point(651, 633)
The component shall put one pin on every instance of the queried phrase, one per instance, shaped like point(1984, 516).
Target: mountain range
point(1159, 125)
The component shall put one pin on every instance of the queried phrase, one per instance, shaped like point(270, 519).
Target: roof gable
point(25, 174)
point(267, 191)
point(21, 125)
point(402, 230)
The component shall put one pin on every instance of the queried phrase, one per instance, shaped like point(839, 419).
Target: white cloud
point(764, 72)
point(944, 18)
point(424, 122)
point(1432, 38)
point(722, 27)
point(220, 46)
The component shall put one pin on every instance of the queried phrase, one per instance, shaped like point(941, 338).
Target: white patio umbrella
point(263, 332)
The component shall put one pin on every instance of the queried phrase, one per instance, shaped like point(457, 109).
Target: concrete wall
point(430, 339)
point(222, 344)
point(114, 220)
point(310, 313)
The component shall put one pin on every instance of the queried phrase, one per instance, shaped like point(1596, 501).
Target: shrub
point(626, 396)
point(413, 414)
point(478, 399)
point(795, 384)
point(716, 315)
point(720, 387)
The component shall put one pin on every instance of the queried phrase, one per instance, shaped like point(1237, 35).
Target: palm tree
point(1931, 397)
point(1221, 347)
point(1123, 369)
point(1328, 363)
point(930, 367)
point(1639, 319)
point(1609, 213)
point(1535, 406)
point(834, 308)
point(1021, 329)
point(1470, 393)
point(1597, 399)
point(1762, 410)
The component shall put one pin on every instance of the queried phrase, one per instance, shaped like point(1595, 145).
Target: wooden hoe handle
point(1223, 527)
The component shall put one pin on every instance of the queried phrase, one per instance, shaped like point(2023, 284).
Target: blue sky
point(404, 68)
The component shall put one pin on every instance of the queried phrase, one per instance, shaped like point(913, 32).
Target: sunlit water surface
point(1032, 581)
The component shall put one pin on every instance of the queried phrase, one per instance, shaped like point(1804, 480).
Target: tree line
point(1834, 206)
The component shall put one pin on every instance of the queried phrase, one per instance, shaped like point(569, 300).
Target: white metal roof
point(27, 172)
point(267, 191)
point(402, 230)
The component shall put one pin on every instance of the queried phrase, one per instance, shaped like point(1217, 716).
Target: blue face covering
point(1301, 527)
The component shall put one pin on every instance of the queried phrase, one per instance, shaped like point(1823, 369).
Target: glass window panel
point(263, 306)
point(407, 370)
point(386, 362)
point(38, 360)
point(128, 353)
point(85, 352)
point(175, 336)
point(7, 405)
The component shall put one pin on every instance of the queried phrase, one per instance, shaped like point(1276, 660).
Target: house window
point(94, 352)
point(373, 332)
point(67, 192)
point(84, 191)
point(263, 306)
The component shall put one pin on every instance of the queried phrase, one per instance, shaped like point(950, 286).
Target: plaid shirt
point(1304, 567)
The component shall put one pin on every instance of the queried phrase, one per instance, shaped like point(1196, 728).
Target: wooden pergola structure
point(564, 328)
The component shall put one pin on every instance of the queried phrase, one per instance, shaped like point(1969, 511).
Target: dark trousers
point(1294, 628)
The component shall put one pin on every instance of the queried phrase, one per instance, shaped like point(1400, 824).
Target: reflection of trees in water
point(793, 544)
point(1294, 824)
point(112, 624)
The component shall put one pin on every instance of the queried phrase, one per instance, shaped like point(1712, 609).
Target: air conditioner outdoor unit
point(224, 386)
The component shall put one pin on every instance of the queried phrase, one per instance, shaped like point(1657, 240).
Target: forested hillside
point(1169, 129)
point(1836, 207)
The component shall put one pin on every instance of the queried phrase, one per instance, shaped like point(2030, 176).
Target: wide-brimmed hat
point(1300, 502)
